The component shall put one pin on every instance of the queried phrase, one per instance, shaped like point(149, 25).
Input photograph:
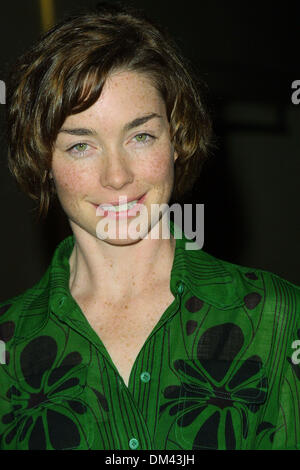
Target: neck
point(104, 271)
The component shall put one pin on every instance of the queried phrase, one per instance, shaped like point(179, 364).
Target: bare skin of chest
point(124, 327)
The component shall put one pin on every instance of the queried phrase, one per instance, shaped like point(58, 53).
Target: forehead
point(125, 96)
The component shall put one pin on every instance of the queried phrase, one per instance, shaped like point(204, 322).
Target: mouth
point(123, 207)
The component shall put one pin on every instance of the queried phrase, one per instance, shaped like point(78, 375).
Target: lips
point(126, 200)
point(122, 204)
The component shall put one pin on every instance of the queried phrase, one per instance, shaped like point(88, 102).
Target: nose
point(116, 171)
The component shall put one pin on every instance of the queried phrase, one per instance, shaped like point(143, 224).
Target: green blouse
point(220, 369)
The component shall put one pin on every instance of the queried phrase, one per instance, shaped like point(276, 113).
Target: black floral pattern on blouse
point(46, 404)
point(204, 401)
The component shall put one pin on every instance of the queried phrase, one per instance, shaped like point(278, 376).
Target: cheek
point(160, 167)
point(70, 181)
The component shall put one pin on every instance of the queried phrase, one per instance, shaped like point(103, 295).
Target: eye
point(144, 138)
point(78, 149)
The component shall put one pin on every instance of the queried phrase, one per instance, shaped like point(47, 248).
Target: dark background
point(248, 54)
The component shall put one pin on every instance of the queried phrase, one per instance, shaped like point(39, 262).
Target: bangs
point(86, 89)
point(86, 82)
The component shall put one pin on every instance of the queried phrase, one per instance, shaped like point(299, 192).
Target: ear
point(175, 155)
point(51, 175)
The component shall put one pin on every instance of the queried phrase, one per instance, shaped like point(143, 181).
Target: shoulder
point(264, 292)
point(265, 281)
point(35, 300)
point(227, 285)
point(25, 311)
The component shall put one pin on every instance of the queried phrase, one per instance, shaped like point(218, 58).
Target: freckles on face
point(160, 174)
point(115, 162)
point(72, 181)
point(159, 169)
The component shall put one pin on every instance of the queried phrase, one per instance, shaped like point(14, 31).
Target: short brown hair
point(64, 73)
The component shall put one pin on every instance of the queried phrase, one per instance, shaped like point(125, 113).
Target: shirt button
point(62, 301)
point(133, 443)
point(145, 377)
point(180, 287)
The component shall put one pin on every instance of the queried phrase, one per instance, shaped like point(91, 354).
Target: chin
point(124, 235)
point(121, 242)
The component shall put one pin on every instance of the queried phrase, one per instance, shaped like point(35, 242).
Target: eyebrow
point(82, 131)
point(140, 120)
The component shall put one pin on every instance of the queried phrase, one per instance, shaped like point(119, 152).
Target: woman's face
point(119, 147)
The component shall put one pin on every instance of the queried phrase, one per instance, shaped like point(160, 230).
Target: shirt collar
point(207, 277)
point(211, 280)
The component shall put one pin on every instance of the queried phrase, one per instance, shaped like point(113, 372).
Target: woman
point(132, 341)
